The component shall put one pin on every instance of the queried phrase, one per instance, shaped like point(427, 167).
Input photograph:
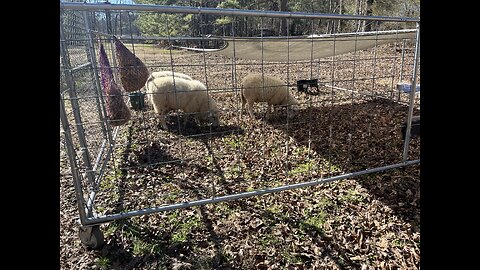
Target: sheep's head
point(210, 117)
point(213, 113)
point(293, 110)
point(213, 118)
point(292, 104)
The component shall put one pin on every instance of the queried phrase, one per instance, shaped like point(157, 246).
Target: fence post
point(412, 95)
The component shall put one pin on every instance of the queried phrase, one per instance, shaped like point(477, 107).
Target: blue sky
point(112, 1)
point(121, 1)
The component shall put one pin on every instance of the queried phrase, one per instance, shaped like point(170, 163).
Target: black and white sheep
point(265, 88)
point(168, 93)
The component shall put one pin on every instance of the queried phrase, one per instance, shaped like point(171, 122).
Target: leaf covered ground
point(364, 222)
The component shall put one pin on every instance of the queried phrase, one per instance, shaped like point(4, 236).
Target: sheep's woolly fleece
point(188, 95)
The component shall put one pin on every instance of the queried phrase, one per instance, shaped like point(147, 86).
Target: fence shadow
point(358, 136)
point(163, 243)
point(351, 136)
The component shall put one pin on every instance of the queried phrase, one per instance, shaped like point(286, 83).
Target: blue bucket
point(406, 87)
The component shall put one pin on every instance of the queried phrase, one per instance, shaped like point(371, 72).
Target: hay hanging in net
point(117, 111)
point(133, 72)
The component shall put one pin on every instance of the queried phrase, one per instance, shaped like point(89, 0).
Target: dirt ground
point(364, 222)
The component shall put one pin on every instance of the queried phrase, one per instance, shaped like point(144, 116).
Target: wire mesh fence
point(348, 126)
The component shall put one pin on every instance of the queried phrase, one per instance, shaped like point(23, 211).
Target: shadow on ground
point(359, 136)
point(351, 136)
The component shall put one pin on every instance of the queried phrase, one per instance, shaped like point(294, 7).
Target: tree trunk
point(340, 11)
point(368, 24)
point(283, 21)
point(358, 10)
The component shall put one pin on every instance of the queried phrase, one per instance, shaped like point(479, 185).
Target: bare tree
point(368, 26)
point(283, 22)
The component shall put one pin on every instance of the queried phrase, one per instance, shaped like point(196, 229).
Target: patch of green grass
point(292, 258)
point(100, 209)
point(141, 248)
point(134, 146)
point(315, 221)
point(171, 196)
point(208, 159)
point(269, 240)
point(232, 172)
point(398, 243)
point(326, 166)
point(324, 203)
point(301, 150)
point(132, 230)
point(108, 181)
point(303, 168)
point(185, 227)
point(223, 208)
point(103, 262)
point(111, 229)
point(233, 141)
point(172, 218)
point(353, 196)
point(372, 257)
point(274, 209)
point(301, 236)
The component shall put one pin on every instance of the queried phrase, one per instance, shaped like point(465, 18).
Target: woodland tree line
point(155, 24)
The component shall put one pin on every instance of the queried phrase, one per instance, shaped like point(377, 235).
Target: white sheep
point(171, 93)
point(258, 88)
point(168, 73)
point(165, 73)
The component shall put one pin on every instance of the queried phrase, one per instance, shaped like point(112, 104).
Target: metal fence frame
point(95, 169)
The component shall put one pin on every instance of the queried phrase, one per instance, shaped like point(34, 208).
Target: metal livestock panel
point(341, 130)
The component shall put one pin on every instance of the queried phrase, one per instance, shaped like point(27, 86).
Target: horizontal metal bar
point(81, 66)
point(112, 217)
point(227, 12)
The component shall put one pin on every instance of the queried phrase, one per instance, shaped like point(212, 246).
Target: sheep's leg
point(162, 116)
point(243, 106)
point(185, 120)
point(163, 121)
point(269, 111)
point(250, 109)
